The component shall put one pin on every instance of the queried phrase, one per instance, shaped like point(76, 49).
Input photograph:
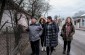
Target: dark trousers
point(35, 47)
point(42, 41)
point(49, 50)
point(67, 44)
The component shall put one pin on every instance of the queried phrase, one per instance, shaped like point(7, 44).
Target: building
point(79, 21)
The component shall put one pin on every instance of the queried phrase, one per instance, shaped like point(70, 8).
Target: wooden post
point(7, 41)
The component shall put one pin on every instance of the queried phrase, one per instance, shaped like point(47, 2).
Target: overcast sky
point(66, 8)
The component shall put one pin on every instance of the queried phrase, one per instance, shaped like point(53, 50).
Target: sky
point(65, 8)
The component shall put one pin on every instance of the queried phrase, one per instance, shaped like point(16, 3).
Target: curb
point(81, 29)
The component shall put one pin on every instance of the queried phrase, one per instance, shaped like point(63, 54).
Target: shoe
point(68, 53)
point(32, 54)
point(64, 52)
point(42, 49)
point(45, 48)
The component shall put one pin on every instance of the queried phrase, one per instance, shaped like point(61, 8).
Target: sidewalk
point(82, 29)
point(57, 51)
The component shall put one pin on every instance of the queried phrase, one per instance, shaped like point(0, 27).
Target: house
point(79, 21)
point(83, 20)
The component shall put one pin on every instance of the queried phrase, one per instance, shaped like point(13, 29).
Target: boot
point(64, 52)
point(68, 53)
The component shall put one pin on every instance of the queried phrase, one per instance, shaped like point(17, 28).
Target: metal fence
point(10, 44)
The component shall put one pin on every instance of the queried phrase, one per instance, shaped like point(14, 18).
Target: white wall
point(23, 20)
point(5, 17)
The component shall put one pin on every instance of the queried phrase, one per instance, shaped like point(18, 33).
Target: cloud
point(66, 7)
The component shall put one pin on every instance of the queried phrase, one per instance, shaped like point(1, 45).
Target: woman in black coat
point(51, 35)
point(42, 21)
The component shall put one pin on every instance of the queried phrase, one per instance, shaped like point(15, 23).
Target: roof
point(83, 15)
point(77, 17)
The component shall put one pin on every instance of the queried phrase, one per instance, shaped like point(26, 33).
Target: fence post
point(7, 41)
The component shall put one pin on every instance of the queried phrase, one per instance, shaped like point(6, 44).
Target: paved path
point(78, 43)
point(59, 48)
point(57, 51)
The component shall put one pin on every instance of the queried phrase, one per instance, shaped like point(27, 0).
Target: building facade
point(79, 21)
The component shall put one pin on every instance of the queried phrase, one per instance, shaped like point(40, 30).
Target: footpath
point(57, 51)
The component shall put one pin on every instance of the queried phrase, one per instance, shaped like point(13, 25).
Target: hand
point(39, 29)
point(71, 35)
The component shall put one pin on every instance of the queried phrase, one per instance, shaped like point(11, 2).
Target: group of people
point(46, 32)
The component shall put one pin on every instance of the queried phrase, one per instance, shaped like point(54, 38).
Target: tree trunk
point(2, 9)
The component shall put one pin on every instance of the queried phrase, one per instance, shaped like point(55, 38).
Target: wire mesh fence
point(11, 43)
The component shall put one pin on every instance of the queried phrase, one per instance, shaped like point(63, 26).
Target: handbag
point(61, 34)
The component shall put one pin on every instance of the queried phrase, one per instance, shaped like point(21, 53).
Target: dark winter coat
point(63, 31)
point(42, 36)
point(51, 34)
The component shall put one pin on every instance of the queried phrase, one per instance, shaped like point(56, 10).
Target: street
point(77, 47)
point(78, 43)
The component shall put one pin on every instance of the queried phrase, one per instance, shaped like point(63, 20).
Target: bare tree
point(2, 9)
point(37, 7)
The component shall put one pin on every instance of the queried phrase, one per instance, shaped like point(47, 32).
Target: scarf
point(68, 29)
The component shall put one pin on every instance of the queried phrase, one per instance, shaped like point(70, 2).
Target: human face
point(48, 20)
point(42, 20)
point(68, 20)
point(33, 20)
